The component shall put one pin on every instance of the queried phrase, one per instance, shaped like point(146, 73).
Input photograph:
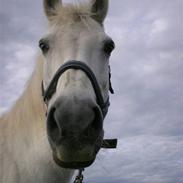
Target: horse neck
point(24, 128)
point(31, 104)
point(27, 115)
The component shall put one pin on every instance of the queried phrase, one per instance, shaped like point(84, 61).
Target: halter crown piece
point(51, 89)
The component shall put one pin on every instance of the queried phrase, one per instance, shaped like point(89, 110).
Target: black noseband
point(51, 89)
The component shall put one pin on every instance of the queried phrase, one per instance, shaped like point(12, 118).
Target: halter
point(104, 105)
point(51, 89)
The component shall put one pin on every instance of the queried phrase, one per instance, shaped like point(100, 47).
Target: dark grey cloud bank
point(146, 111)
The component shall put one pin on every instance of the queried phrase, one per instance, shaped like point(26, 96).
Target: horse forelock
point(71, 13)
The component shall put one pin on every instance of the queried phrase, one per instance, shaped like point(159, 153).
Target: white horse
point(37, 148)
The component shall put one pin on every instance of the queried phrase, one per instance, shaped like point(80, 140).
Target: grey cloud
point(148, 66)
point(20, 30)
point(147, 70)
point(140, 159)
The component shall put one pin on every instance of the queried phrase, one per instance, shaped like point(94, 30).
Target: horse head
point(74, 113)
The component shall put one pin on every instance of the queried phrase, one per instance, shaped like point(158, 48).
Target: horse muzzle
point(75, 132)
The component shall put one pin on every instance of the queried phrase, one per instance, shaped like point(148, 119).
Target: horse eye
point(44, 46)
point(109, 46)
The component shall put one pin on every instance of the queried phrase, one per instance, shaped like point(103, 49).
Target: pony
point(35, 147)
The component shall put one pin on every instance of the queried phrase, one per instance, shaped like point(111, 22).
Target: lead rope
point(79, 178)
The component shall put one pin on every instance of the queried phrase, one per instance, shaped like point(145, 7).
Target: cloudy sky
point(146, 114)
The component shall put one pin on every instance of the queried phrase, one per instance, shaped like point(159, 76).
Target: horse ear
point(49, 7)
point(99, 10)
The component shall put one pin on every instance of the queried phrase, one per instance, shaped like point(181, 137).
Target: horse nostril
point(97, 122)
point(54, 131)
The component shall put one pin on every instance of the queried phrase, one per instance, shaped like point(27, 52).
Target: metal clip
point(79, 178)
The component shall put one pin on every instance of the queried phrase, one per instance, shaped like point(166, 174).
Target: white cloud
point(2, 110)
point(159, 26)
point(16, 72)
